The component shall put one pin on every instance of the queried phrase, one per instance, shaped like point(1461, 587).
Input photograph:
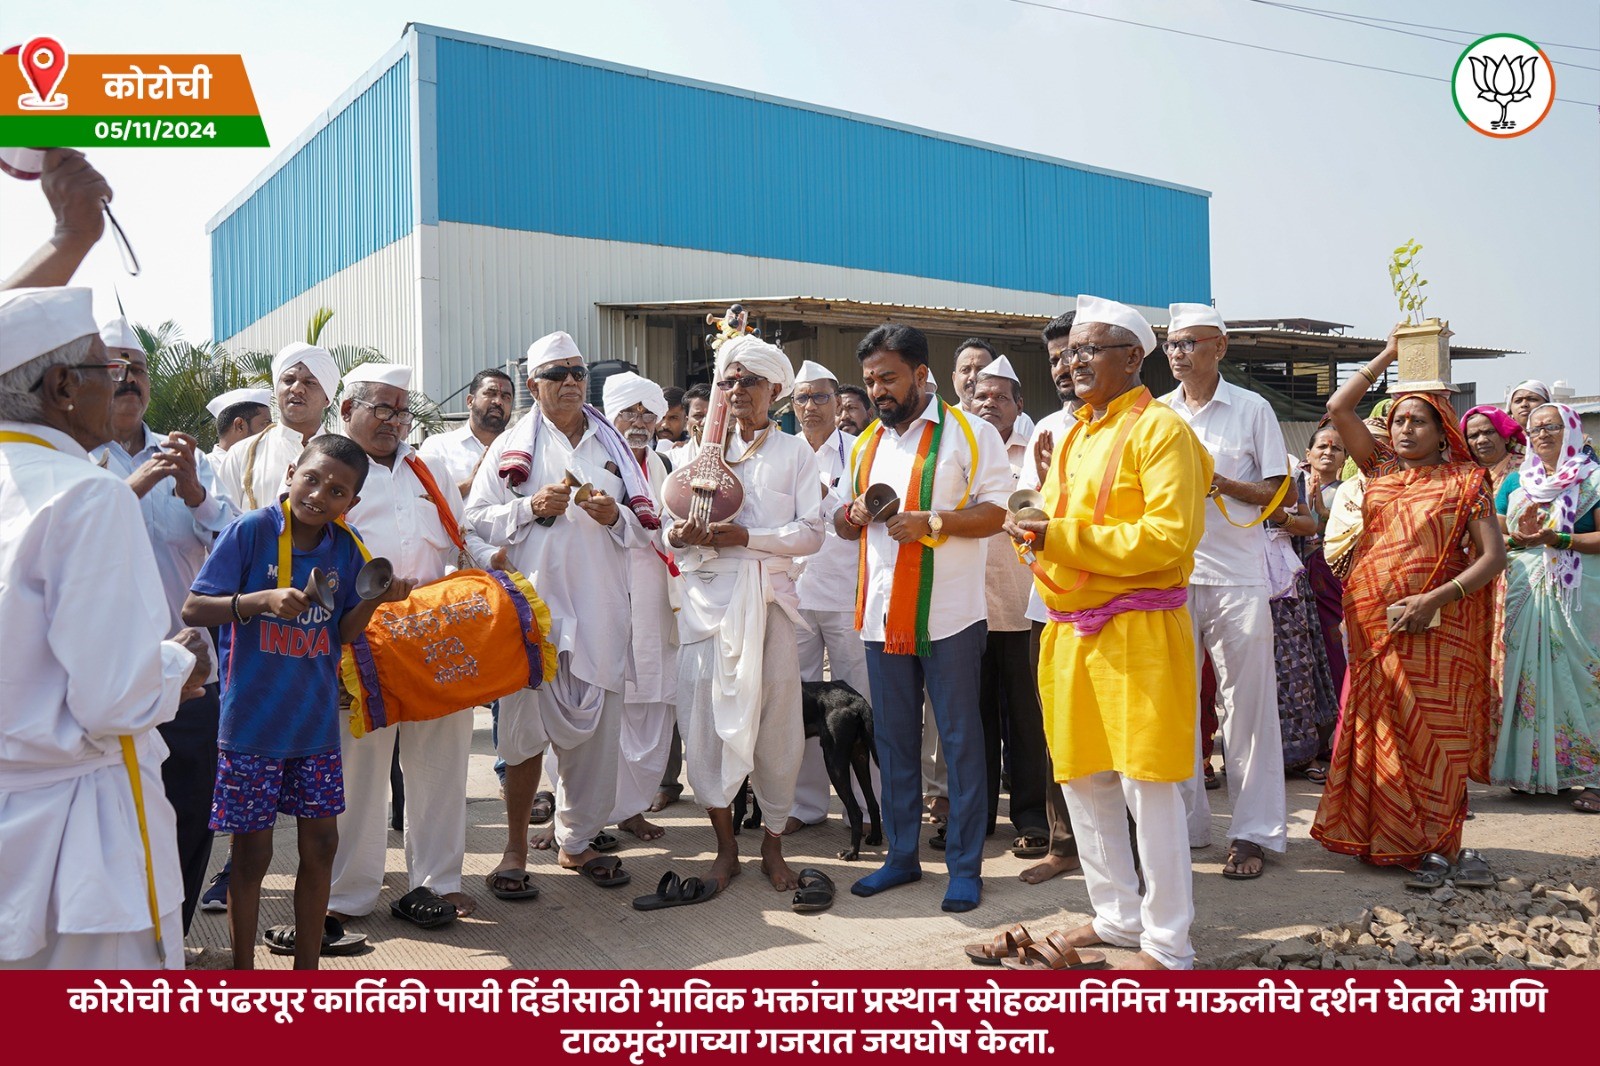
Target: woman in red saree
point(1417, 712)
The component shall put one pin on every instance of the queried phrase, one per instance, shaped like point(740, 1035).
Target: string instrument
point(707, 490)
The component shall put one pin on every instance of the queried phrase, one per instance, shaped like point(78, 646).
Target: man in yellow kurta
point(1126, 496)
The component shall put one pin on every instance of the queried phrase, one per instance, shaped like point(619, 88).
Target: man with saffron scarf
point(739, 665)
point(1126, 492)
point(576, 554)
point(919, 609)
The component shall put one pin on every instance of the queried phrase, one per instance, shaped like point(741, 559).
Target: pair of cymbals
point(881, 501)
point(1027, 505)
point(581, 490)
point(372, 581)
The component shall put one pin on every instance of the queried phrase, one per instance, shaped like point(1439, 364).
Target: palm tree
point(185, 376)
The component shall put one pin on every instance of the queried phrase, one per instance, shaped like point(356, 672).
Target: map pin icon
point(44, 63)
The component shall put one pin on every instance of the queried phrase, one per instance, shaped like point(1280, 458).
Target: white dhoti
point(1158, 923)
point(833, 632)
point(717, 764)
point(433, 759)
point(1234, 623)
point(643, 748)
point(581, 725)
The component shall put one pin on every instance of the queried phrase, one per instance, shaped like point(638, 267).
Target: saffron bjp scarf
point(905, 630)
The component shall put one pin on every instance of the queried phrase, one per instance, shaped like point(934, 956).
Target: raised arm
point(1358, 440)
point(74, 189)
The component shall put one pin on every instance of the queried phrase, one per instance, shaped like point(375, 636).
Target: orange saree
point(1417, 713)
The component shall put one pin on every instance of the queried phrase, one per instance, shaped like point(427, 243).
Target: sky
point(1316, 170)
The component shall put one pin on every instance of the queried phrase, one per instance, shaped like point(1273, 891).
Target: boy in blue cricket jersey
point(278, 748)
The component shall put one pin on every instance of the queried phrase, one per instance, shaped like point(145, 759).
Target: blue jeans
point(951, 674)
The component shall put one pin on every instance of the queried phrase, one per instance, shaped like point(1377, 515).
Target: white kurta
point(725, 603)
point(655, 630)
point(398, 521)
point(180, 535)
point(265, 458)
point(458, 450)
point(828, 581)
point(82, 617)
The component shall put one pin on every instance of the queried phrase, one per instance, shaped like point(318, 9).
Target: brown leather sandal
point(1006, 945)
point(1056, 954)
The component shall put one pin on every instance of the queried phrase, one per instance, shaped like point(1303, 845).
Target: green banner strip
point(105, 131)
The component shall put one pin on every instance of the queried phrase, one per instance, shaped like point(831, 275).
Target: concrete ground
point(576, 925)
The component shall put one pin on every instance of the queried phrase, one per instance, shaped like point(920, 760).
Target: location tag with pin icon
point(44, 64)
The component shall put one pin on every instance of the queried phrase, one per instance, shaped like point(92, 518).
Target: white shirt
point(655, 631)
point(1007, 583)
point(782, 512)
point(1057, 424)
point(1022, 429)
point(1240, 431)
point(216, 455)
point(180, 535)
point(82, 617)
point(397, 520)
point(828, 582)
point(577, 566)
point(269, 454)
point(458, 451)
point(958, 589)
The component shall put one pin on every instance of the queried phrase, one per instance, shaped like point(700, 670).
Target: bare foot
point(465, 904)
point(1141, 961)
point(508, 875)
point(723, 871)
point(663, 800)
point(575, 862)
point(783, 879)
point(1052, 866)
point(1083, 936)
point(642, 829)
point(793, 825)
point(542, 838)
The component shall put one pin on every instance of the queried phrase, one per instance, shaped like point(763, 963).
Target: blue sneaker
point(216, 897)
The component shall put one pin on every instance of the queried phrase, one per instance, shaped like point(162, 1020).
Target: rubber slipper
point(1588, 802)
point(335, 941)
point(1055, 954)
point(1239, 853)
point(425, 908)
point(674, 891)
point(528, 890)
point(1029, 846)
point(1006, 945)
point(1432, 873)
point(605, 871)
point(815, 892)
point(605, 842)
point(544, 808)
point(1472, 870)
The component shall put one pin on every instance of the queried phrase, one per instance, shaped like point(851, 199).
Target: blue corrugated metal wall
point(530, 142)
point(343, 196)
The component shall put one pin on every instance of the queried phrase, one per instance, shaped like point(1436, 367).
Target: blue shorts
point(252, 790)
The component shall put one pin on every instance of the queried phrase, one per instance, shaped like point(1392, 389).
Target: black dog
point(841, 720)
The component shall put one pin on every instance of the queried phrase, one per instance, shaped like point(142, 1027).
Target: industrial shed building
point(470, 194)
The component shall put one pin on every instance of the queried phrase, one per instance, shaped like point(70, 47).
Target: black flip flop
point(1030, 846)
point(335, 941)
point(528, 890)
point(605, 842)
point(544, 808)
point(425, 908)
point(675, 891)
point(605, 872)
point(815, 892)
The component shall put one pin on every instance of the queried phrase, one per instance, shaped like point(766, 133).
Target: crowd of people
point(1413, 603)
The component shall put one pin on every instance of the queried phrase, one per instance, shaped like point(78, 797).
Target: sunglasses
point(562, 373)
point(744, 381)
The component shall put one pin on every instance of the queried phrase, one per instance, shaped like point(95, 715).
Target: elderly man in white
point(239, 414)
point(827, 583)
point(634, 405)
point(738, 670)
point(402, 516)
point(576, 554)
point(304, 379)
point(1228, 591)
point(87, 675)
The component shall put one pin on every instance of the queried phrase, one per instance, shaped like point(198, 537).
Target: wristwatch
point(935, 523)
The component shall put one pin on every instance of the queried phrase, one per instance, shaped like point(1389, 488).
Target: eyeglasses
point(116, 370)
point(399, 416)
point(639, 418)
point(1186, 346)
point(815, 399)
point(1544, 430)
point(562, 373)
point(1085, 352)
point(743, 381)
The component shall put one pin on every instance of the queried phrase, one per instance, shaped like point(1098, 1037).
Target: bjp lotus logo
point(1504, 85)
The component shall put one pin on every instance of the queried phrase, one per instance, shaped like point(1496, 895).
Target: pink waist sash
point(1092, 620)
